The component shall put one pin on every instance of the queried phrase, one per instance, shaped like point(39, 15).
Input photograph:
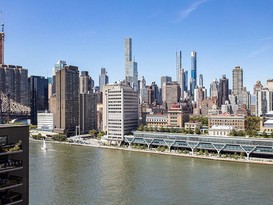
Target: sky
point(90, 34)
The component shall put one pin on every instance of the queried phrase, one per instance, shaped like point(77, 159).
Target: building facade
point(264, 102)
point(2, 40)
point(67, 100)
point(171, 93)
point(120, 110)
point(223, 91)
point(14, 82)
point(236, 121)
point(38, 89)
point(193, 71)
point(14, 161)
point(103, 79)
point(131, 72)
point(237, 80)
point(45, 121)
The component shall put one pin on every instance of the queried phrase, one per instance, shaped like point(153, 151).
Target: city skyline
point(90, 38)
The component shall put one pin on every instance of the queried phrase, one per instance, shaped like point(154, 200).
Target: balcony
point(10, 165)
point(10, 197)
point(11, 148)
point(10, 182)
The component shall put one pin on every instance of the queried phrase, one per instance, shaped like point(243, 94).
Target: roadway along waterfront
point(67, 174)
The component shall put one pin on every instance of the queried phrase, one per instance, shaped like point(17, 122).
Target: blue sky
point(90, 34)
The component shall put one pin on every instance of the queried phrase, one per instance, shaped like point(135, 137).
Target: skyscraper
point(214, 88)
point(2, 39)
point(180, 75)
point(193, 69)
point(38, 88)
point(67, 100)
point(131, 72)
point(201, 80)
point(178, 66)
point(88, 110)
point(165, 79)
point(237, 80)
point(14, 82)
point(186, 89)
point(85, 82)
point(58, 66)
point(104, 79)
point(223, 91)
point(120, 110)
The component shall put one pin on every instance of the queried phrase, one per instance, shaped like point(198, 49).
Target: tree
point(252, 123)
point(140, 128)
point(93, 133)
point(197, 131)
point(271, 135)
point(264, 134)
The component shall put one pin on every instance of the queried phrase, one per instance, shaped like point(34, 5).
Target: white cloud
point(186, 12)
point(259, 51)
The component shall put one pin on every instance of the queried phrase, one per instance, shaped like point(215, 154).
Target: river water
point(67, 175)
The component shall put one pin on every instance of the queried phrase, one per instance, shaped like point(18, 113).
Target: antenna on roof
point(2, 21)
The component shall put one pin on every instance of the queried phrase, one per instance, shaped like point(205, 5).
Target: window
point(3, 140)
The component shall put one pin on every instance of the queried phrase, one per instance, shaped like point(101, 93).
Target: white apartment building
point(120, 110)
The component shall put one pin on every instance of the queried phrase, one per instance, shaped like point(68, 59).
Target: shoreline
point(253, 161)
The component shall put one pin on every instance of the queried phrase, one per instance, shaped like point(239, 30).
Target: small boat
point(43, 146)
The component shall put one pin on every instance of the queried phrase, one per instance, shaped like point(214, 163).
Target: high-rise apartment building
point(223, 91)
point(153, 94)
point(214, 88)
point(193, 71)
point(237, 80)
point(2, 40)
point(38, 89)
point(58, 66)
point(264, 102)
point(201, 82)
point(14, 82)
point(171, 93)
point(120, 110)
point(88, 103)
point(165, 79)
point(131, 72)
point(257, 87)
point(67, 100)
point(85, 82)
point(103, 79)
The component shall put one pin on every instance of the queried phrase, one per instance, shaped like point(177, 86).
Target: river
point(79, 175)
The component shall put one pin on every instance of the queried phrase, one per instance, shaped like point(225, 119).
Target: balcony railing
point(10, 197)
point(10, 164)
point(10, 181)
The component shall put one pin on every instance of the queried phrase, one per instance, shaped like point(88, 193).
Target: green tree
point(252, 123)
point(197, 131)
point(264, 134)
point(271, 135)
point(161, 129)
point(140, 128)
point(93, 133)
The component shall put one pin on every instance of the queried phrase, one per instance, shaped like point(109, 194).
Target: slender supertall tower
point(2, 39)
point(178, 66)
point(193, 70)
point(131, 73)
point(180, 77)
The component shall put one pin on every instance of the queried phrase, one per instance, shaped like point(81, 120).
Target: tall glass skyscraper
point(193, 70)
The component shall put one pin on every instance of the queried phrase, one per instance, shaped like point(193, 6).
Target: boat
point(43, 146)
